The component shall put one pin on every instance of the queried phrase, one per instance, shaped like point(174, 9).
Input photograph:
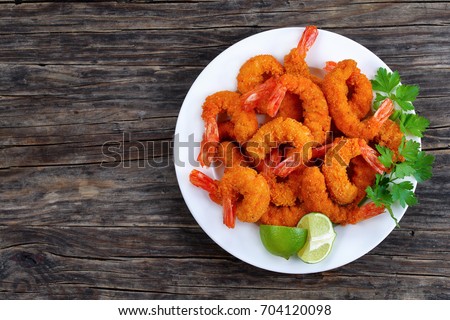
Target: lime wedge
point(282, 241)
point(320, 239)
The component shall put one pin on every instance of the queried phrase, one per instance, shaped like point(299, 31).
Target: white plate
point(243, 242)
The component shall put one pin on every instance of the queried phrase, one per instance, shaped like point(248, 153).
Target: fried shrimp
point(245, 195)
point(256, 70)
point(281, 131)
point(335, 89)
point(359, 93)
point(242, 192)
point(288, 216)
point(315, 108)
point(230, 155)
point(362, 176)
point(316, 199)
point(281, 193)
point(290, 107)
point(243, 123)
point(294, 62)
point(334, 169)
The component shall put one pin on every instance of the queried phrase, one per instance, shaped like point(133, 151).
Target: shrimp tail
point(274, 102)
point(307, 40)
point(229, 212)
point(369, 210)
point(319, 152)
point(371, 157)
point(253, 98)
point(201, 180)
point(384, 111)
point(287, 166)
point(208, 146)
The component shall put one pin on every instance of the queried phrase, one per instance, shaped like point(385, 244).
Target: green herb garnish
point(391, 188)
point(387, 85)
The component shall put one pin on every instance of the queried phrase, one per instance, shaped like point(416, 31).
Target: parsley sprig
point(387, 85)
point(391, 188)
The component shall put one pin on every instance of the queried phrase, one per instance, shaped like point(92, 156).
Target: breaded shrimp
point(316, 199)
point(362, 175)
point(259, 97)
point(256, 71)
point(360, 94)
point(230, 155)
point(242, 192)
point(291, 107)
point(244, 123)
point(288, 216)
point(315, 108)
point(334, 168)
point(335, 89)
point(282, 131)
point(245, 195)
point(281, 193)
point(294, 62)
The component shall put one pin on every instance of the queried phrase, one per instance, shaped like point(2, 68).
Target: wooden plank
point(126, 263)
point(134, 193)
point(197, 15)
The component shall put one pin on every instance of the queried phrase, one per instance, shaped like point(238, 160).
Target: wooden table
point(75, 76)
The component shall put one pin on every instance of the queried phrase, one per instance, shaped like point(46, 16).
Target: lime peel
point(282, 241)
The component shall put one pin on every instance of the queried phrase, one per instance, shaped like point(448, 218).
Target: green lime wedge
point(282, 241)
point(320, 239)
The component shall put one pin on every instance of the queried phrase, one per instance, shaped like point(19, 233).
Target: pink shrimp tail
point(307, 40)
point(251, 99)
point(271, 161)
point(287, 166)
point(275, 99)
point(319, 152)
point(384, 111)
point(212, 131)
point(208, 146)
point(229, 212)
point(201, 180)
point(329, 66)
point(371, 157)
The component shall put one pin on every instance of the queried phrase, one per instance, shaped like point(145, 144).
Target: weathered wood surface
point(76, 75)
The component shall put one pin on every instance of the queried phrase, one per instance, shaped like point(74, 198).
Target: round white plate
point(243, 242)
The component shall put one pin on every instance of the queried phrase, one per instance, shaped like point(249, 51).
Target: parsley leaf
point(423, 166)
point(403, 193)
point(379, 192)
point(385, 81)
point(409, 149)
point(386, 155)
point(404, 169)
point(407, 92)
point(387, 85)
point(413, 124)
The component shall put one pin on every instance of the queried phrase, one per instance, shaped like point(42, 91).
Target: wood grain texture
point(77, 78)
